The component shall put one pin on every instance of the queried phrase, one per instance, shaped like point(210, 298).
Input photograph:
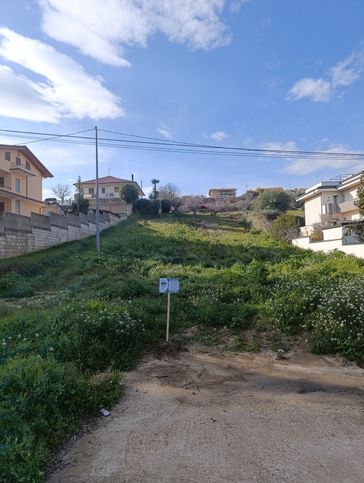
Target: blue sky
point(283, 74)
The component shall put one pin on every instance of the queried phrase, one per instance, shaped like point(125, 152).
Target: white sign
point(168, 285)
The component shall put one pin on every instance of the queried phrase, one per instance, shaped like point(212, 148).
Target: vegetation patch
point(71, 321)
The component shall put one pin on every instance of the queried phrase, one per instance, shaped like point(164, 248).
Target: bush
point(166, 206)
point(40, 403)
point(146, 207)
point(97, 336)
point(284, 228)
point(338, 325)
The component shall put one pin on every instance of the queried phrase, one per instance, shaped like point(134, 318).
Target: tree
point(272, 200)
point(284, 228)
point(80, 205)
point(169, 192)
point(154, 193)
point(61, 191)
point(192, 203)
point(129, 193)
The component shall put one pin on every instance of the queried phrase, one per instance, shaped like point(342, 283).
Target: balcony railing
point(347, 205)
point(22, 167)
point(4, 186)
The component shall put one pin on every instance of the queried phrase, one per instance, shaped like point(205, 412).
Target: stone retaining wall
point(22, 234)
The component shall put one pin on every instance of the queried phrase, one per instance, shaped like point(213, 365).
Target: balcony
point(347, 206)
point(21, 168)
point(4, 186)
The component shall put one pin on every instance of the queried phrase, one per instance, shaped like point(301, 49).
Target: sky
point(285, 74)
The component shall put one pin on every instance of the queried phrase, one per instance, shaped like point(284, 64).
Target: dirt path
point(210, 418)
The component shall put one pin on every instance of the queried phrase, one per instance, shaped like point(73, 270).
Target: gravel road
point(206, 417)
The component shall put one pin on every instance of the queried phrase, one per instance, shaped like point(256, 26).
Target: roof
point(337, 184)
point(108, 179)
point(32, 158)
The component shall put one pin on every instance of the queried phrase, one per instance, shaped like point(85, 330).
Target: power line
point(157, 144)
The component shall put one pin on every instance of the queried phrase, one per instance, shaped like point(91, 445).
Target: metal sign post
point(168, 286)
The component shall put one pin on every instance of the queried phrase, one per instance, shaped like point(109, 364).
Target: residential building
point(332, 200)
point(217, 193)
point(21, 176)
point(332, 204)
point(109, 193)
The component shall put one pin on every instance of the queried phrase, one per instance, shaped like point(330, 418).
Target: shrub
point(96, 336)
point(15, 286)
point(40, 402)
point(284, 228)
point(166, 206)
point(338, 325)
point(146, 207)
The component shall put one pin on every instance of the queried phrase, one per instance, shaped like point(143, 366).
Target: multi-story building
point(109, 193)
point(331, 205)
point(331, 200)
point(21, 175)
point(217, 193)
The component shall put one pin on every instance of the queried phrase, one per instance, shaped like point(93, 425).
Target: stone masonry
point(22, 234)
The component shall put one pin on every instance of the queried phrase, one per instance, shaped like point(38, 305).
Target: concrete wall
point(23, 234)
point(334, 239)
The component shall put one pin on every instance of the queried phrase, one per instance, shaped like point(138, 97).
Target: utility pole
point(97, 194)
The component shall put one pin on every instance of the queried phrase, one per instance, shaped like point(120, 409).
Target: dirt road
point(210, 418)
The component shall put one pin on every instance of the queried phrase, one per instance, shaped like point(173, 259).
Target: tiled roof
point(107, 179)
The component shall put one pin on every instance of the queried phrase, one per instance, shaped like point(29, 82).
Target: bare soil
point(210, 417)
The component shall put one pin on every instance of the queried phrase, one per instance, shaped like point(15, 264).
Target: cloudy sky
point(285, 74)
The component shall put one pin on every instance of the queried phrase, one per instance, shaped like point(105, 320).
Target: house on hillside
point(109, 193)
point(21, 177)
point(332, 205)
point(218, 193)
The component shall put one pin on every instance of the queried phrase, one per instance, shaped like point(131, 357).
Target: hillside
point(71, 320)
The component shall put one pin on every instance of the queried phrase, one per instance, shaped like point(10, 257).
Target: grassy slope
point(68, 314)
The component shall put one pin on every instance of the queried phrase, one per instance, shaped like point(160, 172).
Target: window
point(2, 207)
point(27, 165)
point(18, 162)
point(103, 190)
point(17, 207)
point(17, 185)
point(2, 184)
point(91, 191)
point(7, 156)
point(116, 189)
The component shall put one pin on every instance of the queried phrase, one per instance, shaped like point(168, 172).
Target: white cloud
point(103, 28)
point(19, 97)
point(165, 132)
point(219, 135)
point(236, 5)
point(342, 74)
point(65, 89)
point(277, 146)
point(305, 166)
point(318, 90)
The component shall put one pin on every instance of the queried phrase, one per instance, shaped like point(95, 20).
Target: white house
point(332, 202)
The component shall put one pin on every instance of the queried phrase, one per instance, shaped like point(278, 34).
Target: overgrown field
point(70, 321)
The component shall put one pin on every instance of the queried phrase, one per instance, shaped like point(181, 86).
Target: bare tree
point(62, 191)
point(169, 192)
point(192, 203)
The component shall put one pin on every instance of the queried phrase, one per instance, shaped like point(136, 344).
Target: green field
point(70, 321)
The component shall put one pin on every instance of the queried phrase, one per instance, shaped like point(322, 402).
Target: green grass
point(70, 320)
